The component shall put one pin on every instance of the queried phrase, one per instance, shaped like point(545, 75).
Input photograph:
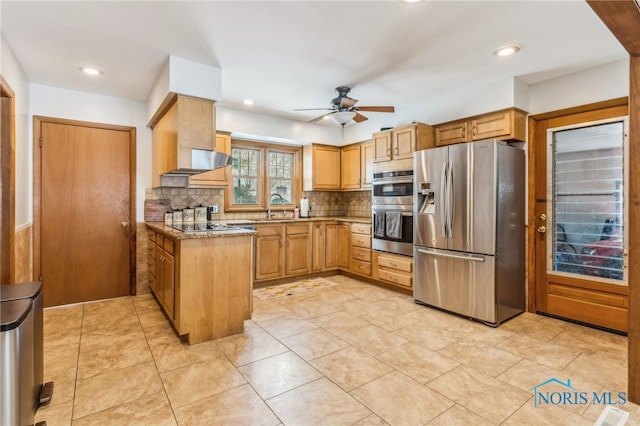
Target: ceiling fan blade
point(376, 108)
point(359, 118)
point(320, 118)
point(314, 109)
point(347, 102)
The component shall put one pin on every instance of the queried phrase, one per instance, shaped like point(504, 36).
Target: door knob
point(542, 217)
point(124, 224)
point(542, 229)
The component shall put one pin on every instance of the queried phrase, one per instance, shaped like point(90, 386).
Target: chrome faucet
point(275, 194)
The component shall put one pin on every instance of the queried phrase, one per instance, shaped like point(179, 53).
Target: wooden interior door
point(571, 277)
point(85, 210)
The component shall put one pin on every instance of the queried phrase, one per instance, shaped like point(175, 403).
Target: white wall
point(596, 84)
point(492, 96)
point(276, 128)
point(12, 72)
point(60, 103)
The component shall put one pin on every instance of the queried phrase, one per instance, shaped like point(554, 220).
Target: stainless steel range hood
point(199, 161)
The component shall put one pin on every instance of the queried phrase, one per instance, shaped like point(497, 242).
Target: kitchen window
point(260, 170)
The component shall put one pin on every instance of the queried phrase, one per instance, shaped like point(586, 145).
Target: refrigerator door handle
point(451, 256)
point(443, 198)
point(451, 202)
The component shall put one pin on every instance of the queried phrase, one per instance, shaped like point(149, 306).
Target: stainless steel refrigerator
point(469, 234)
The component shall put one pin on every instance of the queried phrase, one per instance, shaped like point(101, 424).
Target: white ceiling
point(292, 54)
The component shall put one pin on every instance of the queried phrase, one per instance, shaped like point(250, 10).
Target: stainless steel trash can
point(31, 290)
point(17, 405)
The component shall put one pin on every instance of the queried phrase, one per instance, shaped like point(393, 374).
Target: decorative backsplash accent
point(323, 203)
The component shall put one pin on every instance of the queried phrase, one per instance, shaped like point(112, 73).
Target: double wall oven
point(392, 211)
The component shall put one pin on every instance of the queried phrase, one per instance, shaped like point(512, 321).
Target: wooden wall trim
point(8, 179)
point(622, 17)
point(596, 106)
point(634, 233)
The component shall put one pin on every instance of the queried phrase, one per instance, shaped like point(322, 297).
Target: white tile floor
point(347, 354)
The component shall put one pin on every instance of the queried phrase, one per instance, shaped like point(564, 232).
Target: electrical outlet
point(214, 208)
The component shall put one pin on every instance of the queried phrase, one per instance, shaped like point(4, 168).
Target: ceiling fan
point(343, 108)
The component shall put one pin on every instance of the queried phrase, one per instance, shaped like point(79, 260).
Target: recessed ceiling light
point(90, 71)
point(512, 49)
point(410, 1)
point(248, 102)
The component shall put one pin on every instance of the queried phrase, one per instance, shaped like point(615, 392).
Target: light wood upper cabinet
point(357, 165)
point(508, 125)
point(447, 134)
point(321, 167)
point(218, 177)
point(351, 163)
point(404, 142)
point(382, 146)
point(184, 123)
point(366, 165)
point(401, 142)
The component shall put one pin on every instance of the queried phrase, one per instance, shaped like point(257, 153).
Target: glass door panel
point(587, 208)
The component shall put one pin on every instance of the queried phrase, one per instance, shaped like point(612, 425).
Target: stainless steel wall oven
point(392, 212)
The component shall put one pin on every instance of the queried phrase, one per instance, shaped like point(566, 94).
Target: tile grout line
point(155, 364)
point(75, 382)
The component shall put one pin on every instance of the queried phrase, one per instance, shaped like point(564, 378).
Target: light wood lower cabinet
point(344, 246)
point(282, 250)
point(269, 253)
point(165, 281)
point(204, 285)
point(161, 263)
point(361, 249)
point(393, 269)
point(297, 249)
point(337, 247)
point(318, 242)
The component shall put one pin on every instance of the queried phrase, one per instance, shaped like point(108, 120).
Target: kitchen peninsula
point(203, 281)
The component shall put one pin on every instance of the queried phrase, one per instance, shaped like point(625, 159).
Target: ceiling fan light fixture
point(343, 117)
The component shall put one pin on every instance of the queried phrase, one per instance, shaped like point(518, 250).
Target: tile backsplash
point(323, 203)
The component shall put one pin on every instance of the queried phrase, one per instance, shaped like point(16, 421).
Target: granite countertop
point(350, 219)
point(238, 230)
point(181, 235)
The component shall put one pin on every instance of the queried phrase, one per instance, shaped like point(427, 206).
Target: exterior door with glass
point(580, 219)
